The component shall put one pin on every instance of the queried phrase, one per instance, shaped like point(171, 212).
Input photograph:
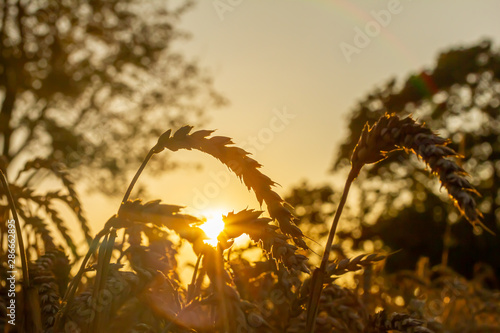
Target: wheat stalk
point(247, 169)
point(102, 270)
point(391, 133)
point(238, 161)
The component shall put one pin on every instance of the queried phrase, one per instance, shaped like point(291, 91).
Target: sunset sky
point(292, 71)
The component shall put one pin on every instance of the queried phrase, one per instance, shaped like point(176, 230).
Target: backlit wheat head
point(392, 133)
point(238, 161)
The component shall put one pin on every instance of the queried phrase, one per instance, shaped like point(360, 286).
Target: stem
point(350, 178)
point(24, 261)
point(92, 324)
point(319, 274)
point(196, 268)
point(137, 174)
point(191, 286)
point(70, 292)
point(131, 187)
point(30, 293)
point(101, 317)
point(219, 287)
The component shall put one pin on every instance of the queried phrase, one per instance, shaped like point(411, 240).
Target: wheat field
point(129, 278)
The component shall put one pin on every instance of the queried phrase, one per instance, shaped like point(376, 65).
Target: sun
point(212, 228)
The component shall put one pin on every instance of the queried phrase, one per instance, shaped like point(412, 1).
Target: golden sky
point(292, 70)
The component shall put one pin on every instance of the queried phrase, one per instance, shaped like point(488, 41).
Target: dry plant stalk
point(148, 298)
point(132, 212)
point(245, 167)
point(391, 133)
point(247, 170)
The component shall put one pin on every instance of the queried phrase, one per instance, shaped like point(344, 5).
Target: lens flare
point(212, 228)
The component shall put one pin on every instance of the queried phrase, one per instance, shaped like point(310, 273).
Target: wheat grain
point(391, 133)
point(238, 161)
point(388, 134)
point(259, 230)
point(382, 322)
point(340, 267)
point(120, 286)
point(58, 221)
point(169, 216)
point(339, 310)
point(40, 228)
point(47, 280)
point(73, 200)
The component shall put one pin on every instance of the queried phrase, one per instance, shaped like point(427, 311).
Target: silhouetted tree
point(93, 83)
point(460, 99)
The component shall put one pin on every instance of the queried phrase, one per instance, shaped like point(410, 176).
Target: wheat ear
point(340, 267)
point(382, 322)
point(72, 200)
point(46, 281)
point(392, 133)
point(260, 231)
point(341, 311)
point(245, 167)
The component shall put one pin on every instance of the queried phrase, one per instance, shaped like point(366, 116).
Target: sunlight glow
point(212, 228)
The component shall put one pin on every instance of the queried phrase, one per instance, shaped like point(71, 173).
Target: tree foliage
point(460, 98)
point(91, 83)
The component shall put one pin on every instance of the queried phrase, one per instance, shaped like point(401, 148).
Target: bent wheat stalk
point(245, 167)
point(391, 133)
point(238, 161)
